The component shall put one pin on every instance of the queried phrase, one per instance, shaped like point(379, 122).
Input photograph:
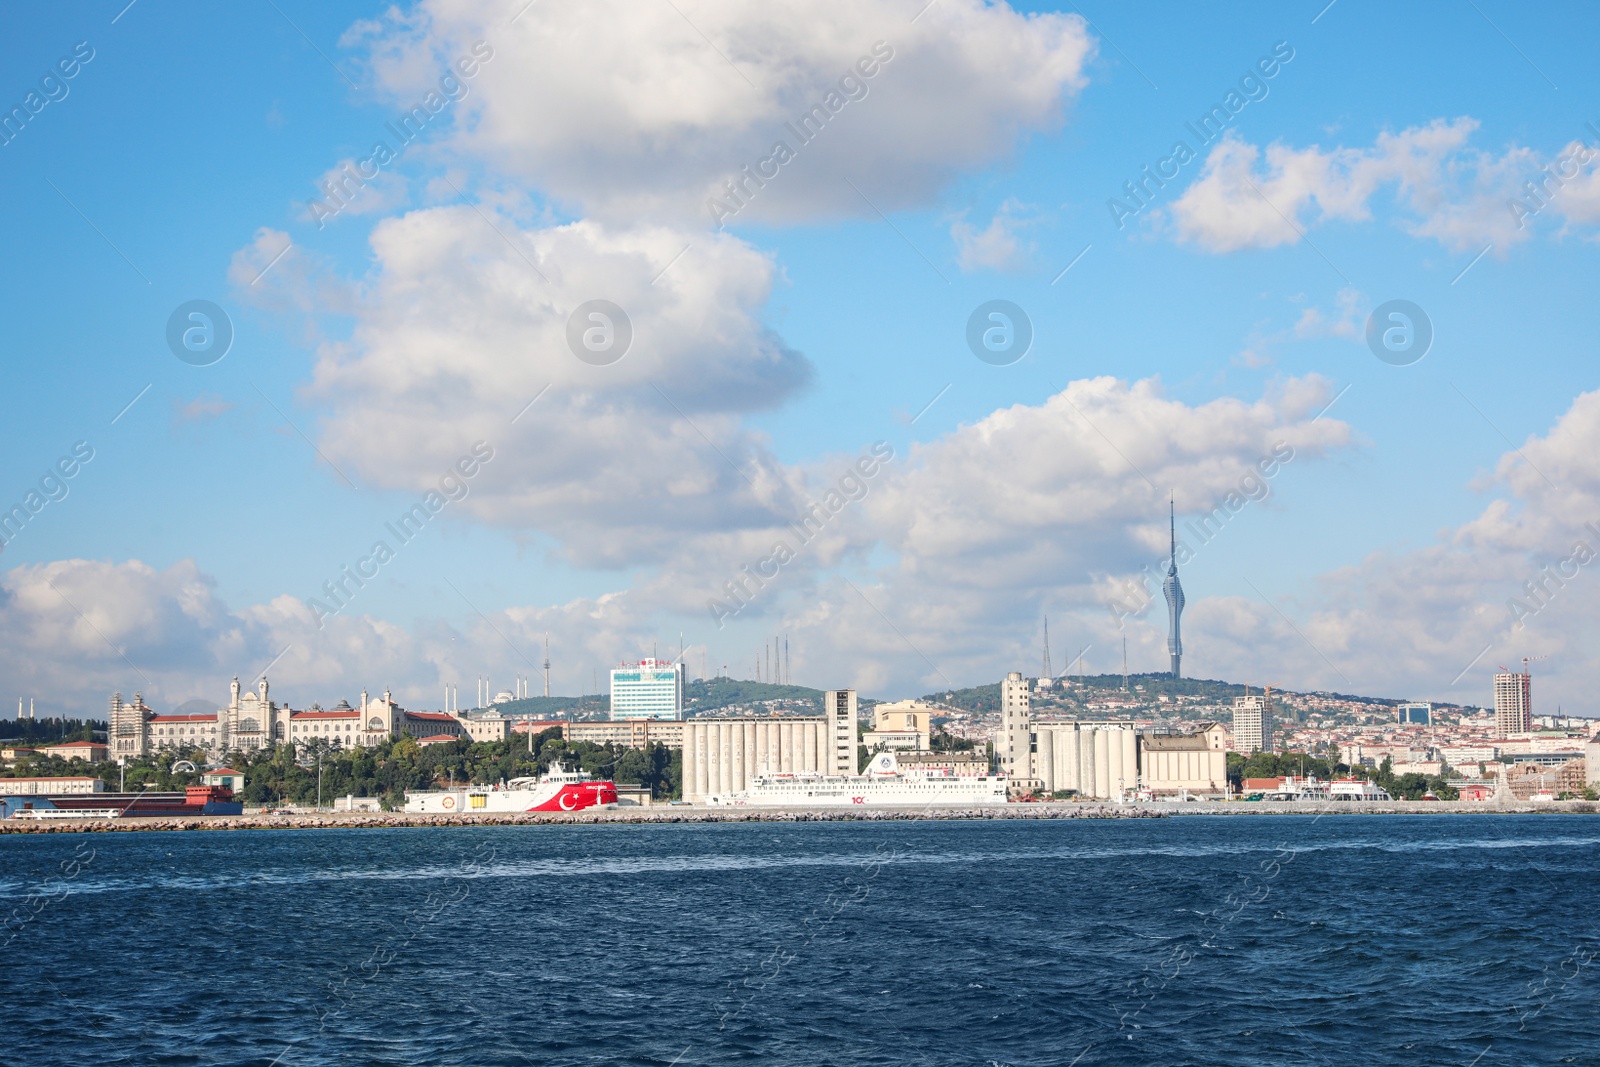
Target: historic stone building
point(252, 720)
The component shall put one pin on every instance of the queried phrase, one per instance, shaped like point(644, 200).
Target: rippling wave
point(1203, 939)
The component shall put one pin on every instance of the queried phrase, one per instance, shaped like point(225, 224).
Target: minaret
point(1174, 594)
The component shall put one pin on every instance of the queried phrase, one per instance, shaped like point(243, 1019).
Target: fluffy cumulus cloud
point(1249, 197)
point(1046, 510)
point(623, 110)
point(470, 329)
point(935, 574)
point(1051, 508)
point(1434, 623)
point(74, 631)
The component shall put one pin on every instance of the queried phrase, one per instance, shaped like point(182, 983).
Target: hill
point(558, 707)
point(710, 694)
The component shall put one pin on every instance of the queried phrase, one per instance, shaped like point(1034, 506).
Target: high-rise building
point(839, 709)
point(1173, 591)
point(1513, 703)
point(649, 689)
point(1014, 746)
point(1252, 724)
point(1416, 714)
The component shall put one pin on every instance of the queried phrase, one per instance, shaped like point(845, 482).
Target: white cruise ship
point(884, 785)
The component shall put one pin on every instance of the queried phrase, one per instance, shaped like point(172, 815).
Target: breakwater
point(391, 820)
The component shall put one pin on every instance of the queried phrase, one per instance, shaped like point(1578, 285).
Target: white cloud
point(625, 110)
point(463, 322)
point(937, 578)
point(997, 246)
point(1039, 509)
point(1461, 198)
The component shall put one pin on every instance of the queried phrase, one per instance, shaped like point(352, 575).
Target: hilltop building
point(1416, 714)
point(1252, 724)
point(1513, 703)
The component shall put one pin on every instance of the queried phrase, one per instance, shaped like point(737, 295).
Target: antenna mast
point(1047, 671)
point(547, 663)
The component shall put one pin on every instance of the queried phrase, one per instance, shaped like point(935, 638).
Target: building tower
point(547, 663)
point(1013, 746)
point(1174, 594)
point(1252, 723)
point(1513, 702)
point(839, 712)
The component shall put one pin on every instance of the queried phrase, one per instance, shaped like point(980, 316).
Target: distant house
point(437, 739)
point(88, 751)
point(226, 777)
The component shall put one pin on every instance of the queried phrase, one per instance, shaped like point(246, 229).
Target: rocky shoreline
point(394, 820)
point(665, 816)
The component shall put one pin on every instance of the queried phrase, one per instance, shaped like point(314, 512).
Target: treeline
point(285, 775)
point(1282, 764)
point(53, 731)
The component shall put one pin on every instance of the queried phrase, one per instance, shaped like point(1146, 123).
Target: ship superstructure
point(884, 785)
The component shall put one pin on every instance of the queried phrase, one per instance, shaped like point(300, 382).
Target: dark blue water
point(1202, 940)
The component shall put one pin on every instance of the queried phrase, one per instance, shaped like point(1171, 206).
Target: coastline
point(682, 815)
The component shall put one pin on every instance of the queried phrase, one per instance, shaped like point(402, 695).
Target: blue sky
point(196, 135)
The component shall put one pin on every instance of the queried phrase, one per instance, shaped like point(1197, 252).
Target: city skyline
point(949, 367)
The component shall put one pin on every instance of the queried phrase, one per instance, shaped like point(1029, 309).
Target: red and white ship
point(557, 790)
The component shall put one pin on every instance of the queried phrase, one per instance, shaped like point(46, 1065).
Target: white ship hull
point(882, 787)
point(557, 791)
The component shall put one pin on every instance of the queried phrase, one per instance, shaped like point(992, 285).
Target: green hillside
point(712, 693)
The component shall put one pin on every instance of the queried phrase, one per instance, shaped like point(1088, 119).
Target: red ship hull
point(579, 795)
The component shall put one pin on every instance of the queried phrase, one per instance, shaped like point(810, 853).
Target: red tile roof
point(78, 744)
point(431, 716)
point(183, 718)
point(325, 714)
point(437, 737)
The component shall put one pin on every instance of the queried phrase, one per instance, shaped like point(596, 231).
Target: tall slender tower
point(1048, 673)
point(547, 663)
point(1174, 594)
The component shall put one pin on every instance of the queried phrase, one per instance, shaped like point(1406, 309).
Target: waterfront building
point(1098, 760)
point(635, 733)
point(649, 689)
point(1513, 703)
point(226, 777)
point(960, 764)
point(21, 787)
point(1013, 745)
point(1252, 724)
point(839, 712)
point(723, 755)
point(1170, 764)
